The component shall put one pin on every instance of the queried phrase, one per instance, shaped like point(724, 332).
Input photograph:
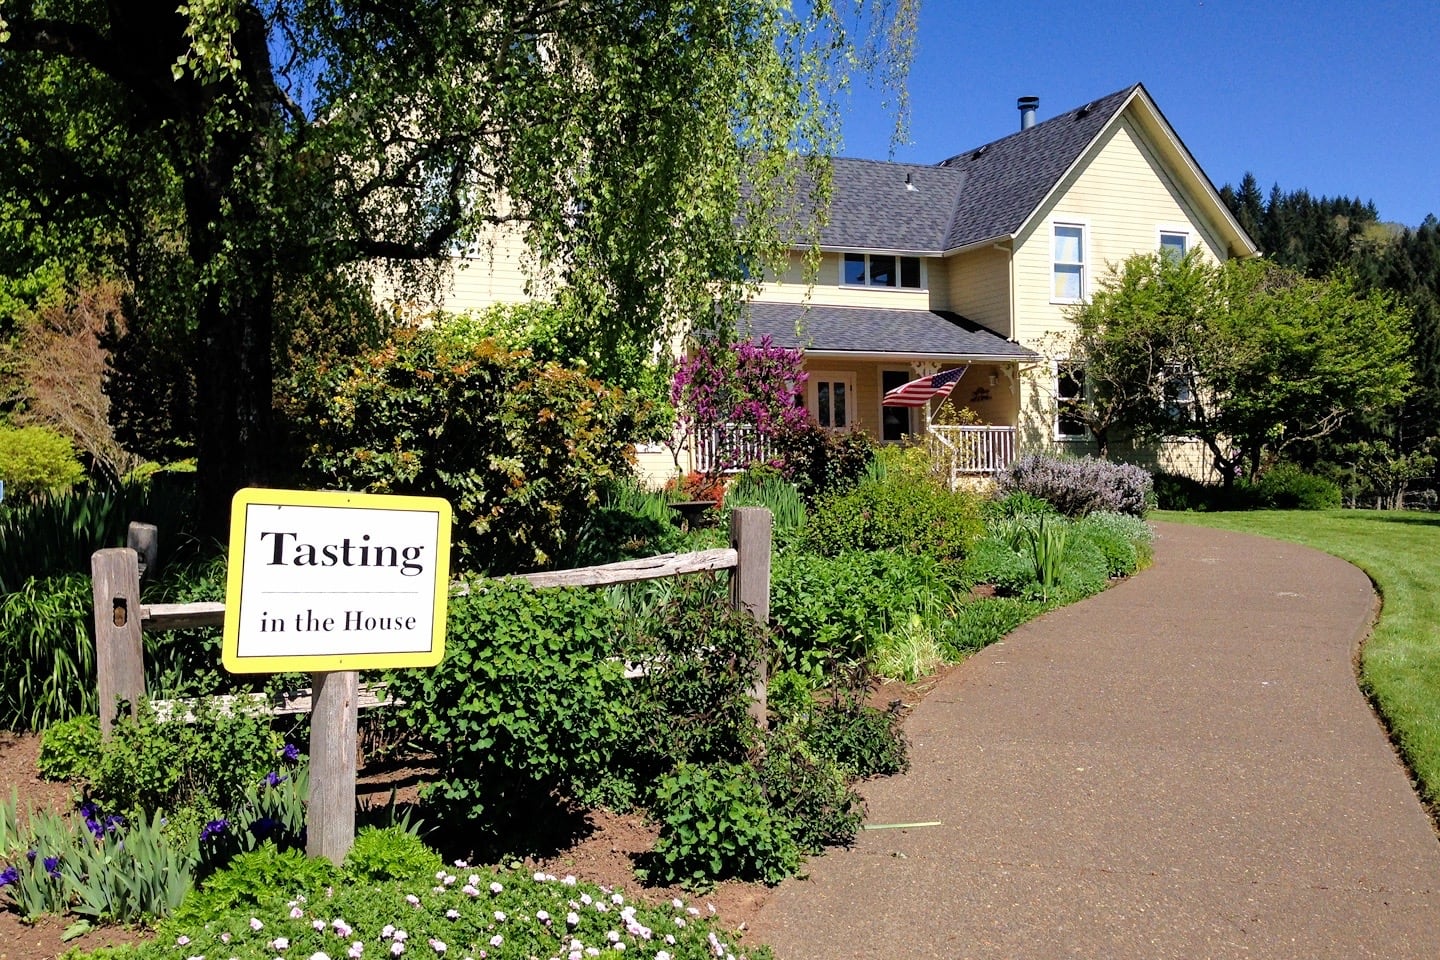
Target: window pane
point(822, 403)
point(1173, 245)
point(1069, 244)
point(839, 405)
point(882, 271)
point(910, 272)
point(1067, 282)
point(854, 268)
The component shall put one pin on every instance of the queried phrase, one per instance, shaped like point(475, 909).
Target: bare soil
point(599, 846)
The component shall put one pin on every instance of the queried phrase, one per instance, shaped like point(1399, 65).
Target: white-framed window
point(882, 270)
point(1068, 263)
point(832, 399)
point(1174, 243)
point(1069, 399)
point(1177, 386)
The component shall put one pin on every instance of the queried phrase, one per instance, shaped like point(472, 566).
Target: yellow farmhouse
point(973, 262)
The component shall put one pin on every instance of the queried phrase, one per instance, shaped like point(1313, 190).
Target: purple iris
point(274, 779)
point(52, 866)
point(213, 829)
point(8, 876)
point(291, 752)
point(263, 827)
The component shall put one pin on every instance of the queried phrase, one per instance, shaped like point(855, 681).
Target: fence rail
point(120, 620)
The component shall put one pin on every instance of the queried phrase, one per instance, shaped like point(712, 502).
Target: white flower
point(449, 879)
point(613, 936)
point(317, 925)
point(342, 929)
point(678, 904)
point(539, 876)
point(438, 945)
point(496, 940)
point(356, 949)
point(585, 899)
point(663, 955)
point(317, 955)
point(397, 948)
point(413, 900)
point(461, 864)
point(693, 911)
point(280, 943)
point(452, 914)
point(500, 915)
point(670, 939)
point(615, 898)
point(256, 925)
point(569, 880)
point(495, 887)
point(296, 913)
point(387, 932)
point(224, 938)
point(401, 936)
point(182, 940)
point(572, 918)
point(470, 890)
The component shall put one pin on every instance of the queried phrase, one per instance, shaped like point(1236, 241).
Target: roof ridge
point(1081, 110)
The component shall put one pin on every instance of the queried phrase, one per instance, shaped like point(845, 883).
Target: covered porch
point(854, 356)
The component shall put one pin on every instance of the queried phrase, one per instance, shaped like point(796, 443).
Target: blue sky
point(1334, 96)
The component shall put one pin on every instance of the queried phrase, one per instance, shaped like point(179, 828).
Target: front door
point(895, 422)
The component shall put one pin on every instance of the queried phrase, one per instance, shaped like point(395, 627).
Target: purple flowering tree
point(725, 395)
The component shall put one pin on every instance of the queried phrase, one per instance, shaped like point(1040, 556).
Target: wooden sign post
point(332, 583)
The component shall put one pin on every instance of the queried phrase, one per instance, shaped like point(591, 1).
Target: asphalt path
point(1182, 766)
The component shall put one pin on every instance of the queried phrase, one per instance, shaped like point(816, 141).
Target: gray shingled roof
point(1005, 180)
point(873, 331)
point(977, 195)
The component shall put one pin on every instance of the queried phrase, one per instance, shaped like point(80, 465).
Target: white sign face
point(335, 581)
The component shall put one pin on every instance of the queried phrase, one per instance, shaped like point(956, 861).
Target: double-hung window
point(1069, 263)
point(881, 270)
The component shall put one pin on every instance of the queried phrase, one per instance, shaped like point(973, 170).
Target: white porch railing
point(735, 445)
point(980, 449)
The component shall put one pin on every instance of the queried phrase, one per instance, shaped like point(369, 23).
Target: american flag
point(917, 393)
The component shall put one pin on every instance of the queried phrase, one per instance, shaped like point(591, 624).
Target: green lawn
point(1400, 664)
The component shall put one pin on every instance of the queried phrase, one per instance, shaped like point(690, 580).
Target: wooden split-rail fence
point(121, 619)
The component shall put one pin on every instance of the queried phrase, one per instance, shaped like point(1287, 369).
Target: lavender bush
point(1077, 487)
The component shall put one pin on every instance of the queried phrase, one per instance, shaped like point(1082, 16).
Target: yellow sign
point(330, 581)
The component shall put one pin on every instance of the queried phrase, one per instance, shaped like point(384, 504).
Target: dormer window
point(881, 270)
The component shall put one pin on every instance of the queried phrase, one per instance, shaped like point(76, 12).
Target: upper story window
point(1069, 263)
point(1174, 243)
point(880, 270)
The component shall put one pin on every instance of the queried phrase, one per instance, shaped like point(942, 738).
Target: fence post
point(333, 711)
point(119, 667)
point(144, 539)
point(750, 585)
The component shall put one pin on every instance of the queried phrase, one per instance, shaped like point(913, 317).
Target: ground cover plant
point(1400, 663)
point(393, 897)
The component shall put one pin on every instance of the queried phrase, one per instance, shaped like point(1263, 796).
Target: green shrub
point(70, 749)
point(527, 701)
point(1175, 491)
point(153, 764)
point(33, 459)
point(909, 650)
point(1287, 486)
point(831, 610)
point(630, 522)
point(819, 461)
point(983, 621)
point(861, 740)
point(896, 513)
point(520, 449)
point(696, 658)
point(262, 876)
point(996, 560)
point(390, 853)
point(1048, 539)
point(715, 824)
point(1125, 541)
point(809, 790)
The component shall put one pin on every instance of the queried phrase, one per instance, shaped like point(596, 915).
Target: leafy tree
point(1249, 358)
point(254, 164)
